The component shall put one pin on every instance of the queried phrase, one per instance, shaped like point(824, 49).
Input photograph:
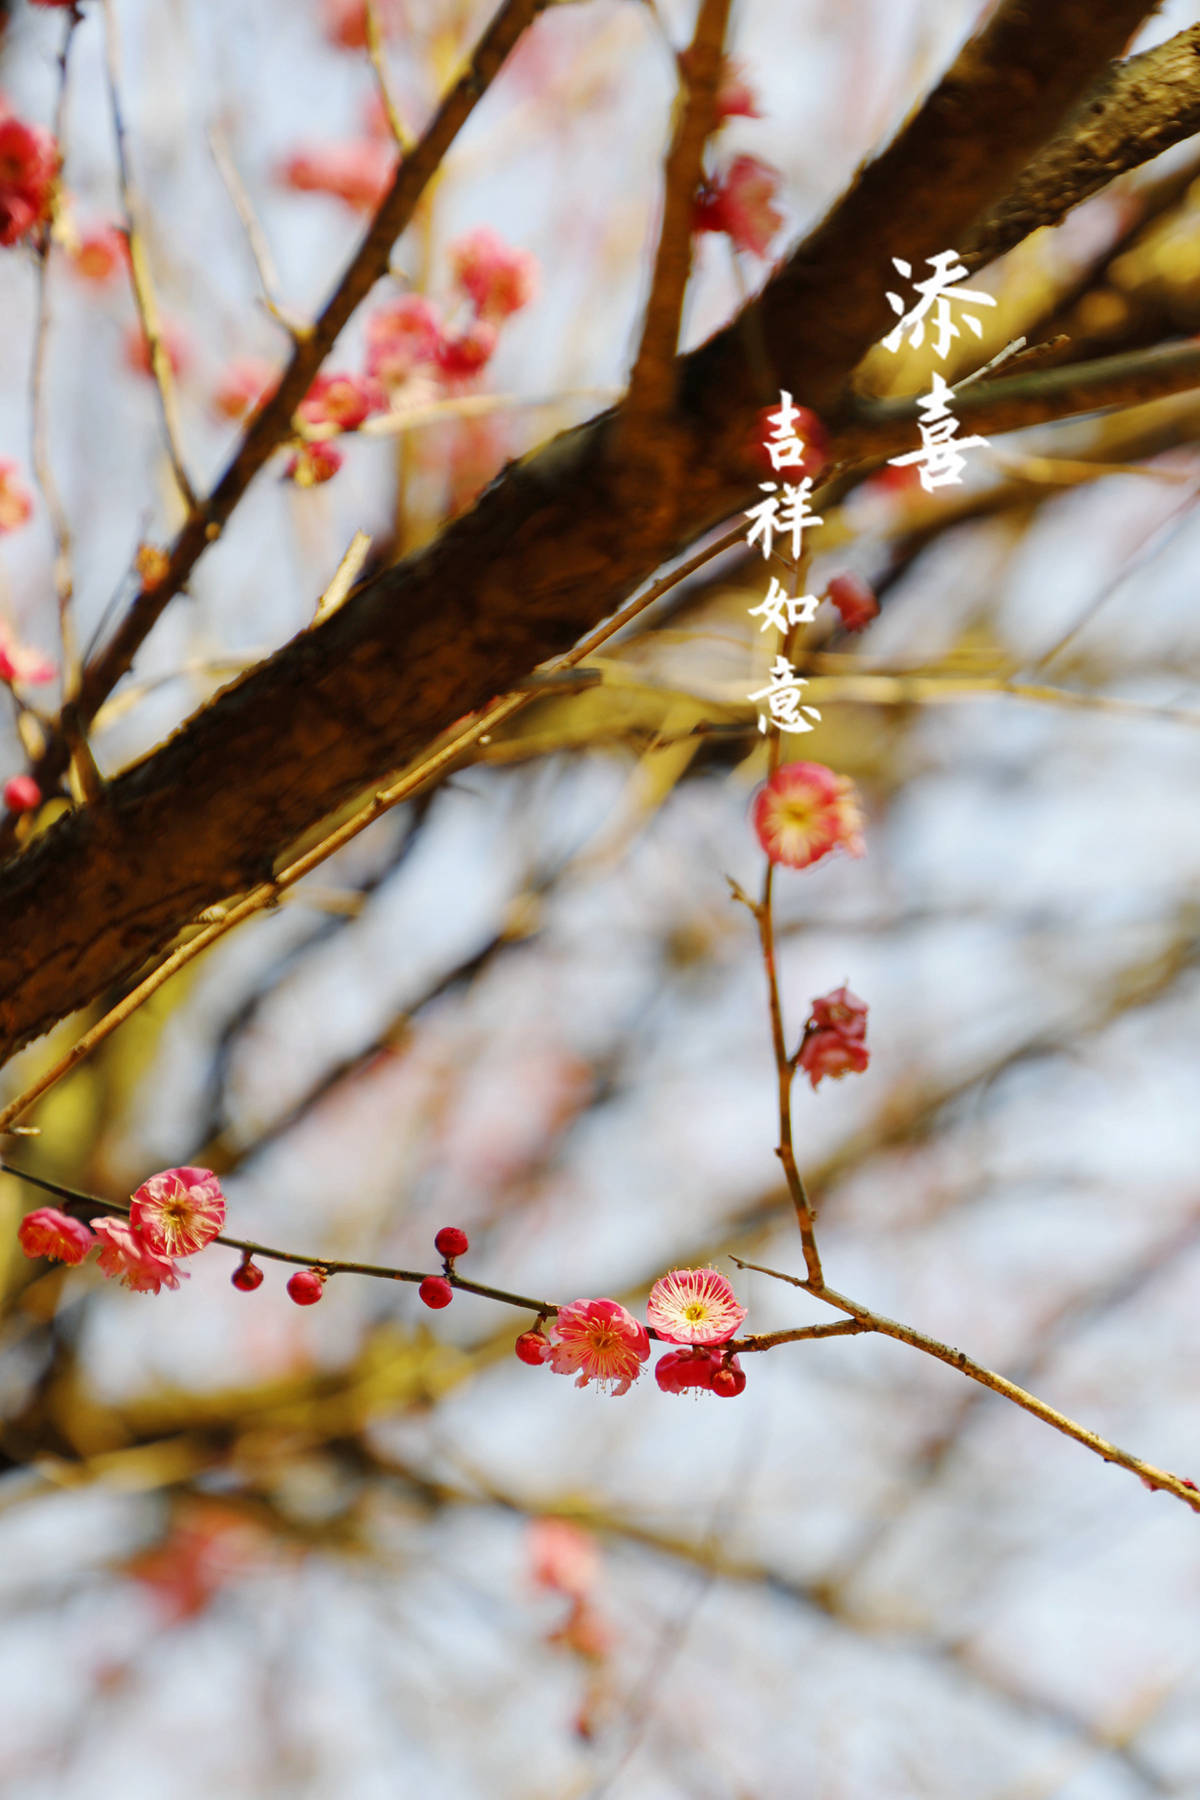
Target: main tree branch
point(1137, 110)
point(551, 548)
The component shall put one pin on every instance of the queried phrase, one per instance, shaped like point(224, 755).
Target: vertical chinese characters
point(785, 513)
point(939, 459)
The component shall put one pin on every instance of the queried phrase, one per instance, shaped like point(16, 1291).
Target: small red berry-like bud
point(22, 794)
point(532, 1347)
point(728, 1381)
point(450, 1241)
point(247, 1276)
point(306, 1286)
point(854, 600)
point(435, 1291)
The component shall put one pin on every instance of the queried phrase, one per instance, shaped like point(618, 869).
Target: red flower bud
point(306, 1286)
point(533, 1348)
point(854, 599)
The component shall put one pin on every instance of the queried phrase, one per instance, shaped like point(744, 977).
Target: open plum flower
point(48, 1232)
point(694, 1306)
point(125, 1256)
point(597, 1340)
point(177, 1212)
point(804, 811)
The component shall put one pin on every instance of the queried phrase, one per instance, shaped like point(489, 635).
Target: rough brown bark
point(1136, 111)
point(551, 548)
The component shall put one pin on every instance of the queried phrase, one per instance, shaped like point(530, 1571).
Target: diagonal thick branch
point(551, 548)
point(1137, 110)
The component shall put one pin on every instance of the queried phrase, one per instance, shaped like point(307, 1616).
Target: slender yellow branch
point(217, 921)
point(1149, 1473)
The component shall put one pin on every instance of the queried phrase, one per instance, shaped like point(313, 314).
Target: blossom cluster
point(408, 337)
point(172, 1214)
point(601, 1341)
point(737, 198)
point(179, 1211)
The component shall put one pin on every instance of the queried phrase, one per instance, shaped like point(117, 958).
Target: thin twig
point(391, 111)
point(655, 369)
point(473, 406)
point(784, 1076)
point(329, 1265)
point(256, 237)
point(344, 577)
point(216, 921)
point(141, 282)
point(1150, 1475)
point(784, 1066)
point(64, 580)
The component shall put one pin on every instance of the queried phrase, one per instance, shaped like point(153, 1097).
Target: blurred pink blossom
point(739, 204)
point(359, 173)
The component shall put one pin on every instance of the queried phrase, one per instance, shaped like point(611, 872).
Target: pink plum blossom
point(739, 204)
point(497, 279)
point(563, 1556)
point(401, 334)
point(174, 344)
point(804, 811)
point(48, 1232)
point(125, 1254)
point(178, 1211)
point(830, 1053)
point(466, 352)
point(840, 1011)
point(597, 1340)
point(694, 1306)
point(342, 400)
point(359, 174)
